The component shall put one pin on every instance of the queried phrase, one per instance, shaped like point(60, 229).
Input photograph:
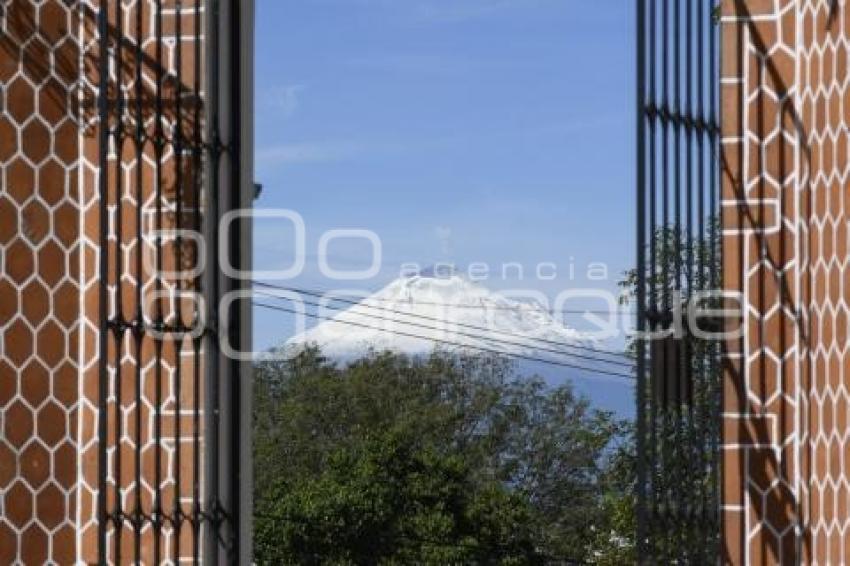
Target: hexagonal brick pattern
point(37, 481)
point(786, 100)
point(825, 117)
point(49, 282)
point(152, 404)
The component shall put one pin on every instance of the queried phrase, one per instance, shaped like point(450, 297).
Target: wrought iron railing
point(678, 260)
point(173, 156)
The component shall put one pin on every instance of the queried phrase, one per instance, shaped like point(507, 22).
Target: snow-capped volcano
point(414, 314)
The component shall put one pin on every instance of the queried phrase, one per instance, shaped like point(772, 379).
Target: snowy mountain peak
point(415, 314)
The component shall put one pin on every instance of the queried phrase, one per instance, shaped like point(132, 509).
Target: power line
point(624, 312)
point(467, 334)
point(320, 295)
point(450, 343)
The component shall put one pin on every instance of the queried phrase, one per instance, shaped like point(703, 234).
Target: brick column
point(50, 282)
point(785, 164)
point(40, 310)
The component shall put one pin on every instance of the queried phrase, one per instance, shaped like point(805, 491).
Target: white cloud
point(284, 99)
point(307, 152)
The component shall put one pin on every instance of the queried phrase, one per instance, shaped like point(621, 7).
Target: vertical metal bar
point(227, 246)
point(676, 32)
point(119, 327)
point(653, 157)
point(683, 275)
point(158, 322)
point(197, 156)
point(685, 361)
point(212, 289)
point(673, 352)
point(651, 271)
point(690, 125)
point(177, 144)
point(661, 376)
point(674, 380)
point(663, 492)
point(705, 367)
point(703, 130)
point(715, 113)
point(714, 189)
point(245, 481)
point(665, 150)
point(231, 391)
point(103, 362)
point(641, 495)
point(140, 316)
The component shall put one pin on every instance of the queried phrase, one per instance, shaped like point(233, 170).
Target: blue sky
point(458, 130)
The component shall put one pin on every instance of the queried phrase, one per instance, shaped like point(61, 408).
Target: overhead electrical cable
point(520, 306)
point(451, 343)
point(482, 337)
point(318, 294)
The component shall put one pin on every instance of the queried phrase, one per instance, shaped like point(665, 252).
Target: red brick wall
point(163, 372)
point(785, 162)
point(39, 280)
point(50, 281)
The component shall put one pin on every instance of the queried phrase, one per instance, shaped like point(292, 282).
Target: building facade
point(785, 166)
point(120, 150)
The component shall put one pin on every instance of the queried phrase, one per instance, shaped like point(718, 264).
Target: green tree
point(682, 438)
point(613, 542)
point(387, 498)
point(449, 459)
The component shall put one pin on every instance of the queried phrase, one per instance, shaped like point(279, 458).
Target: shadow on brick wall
point(773, 504)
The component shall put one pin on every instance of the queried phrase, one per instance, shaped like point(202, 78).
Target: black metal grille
point(678, 391)
point(176, 102)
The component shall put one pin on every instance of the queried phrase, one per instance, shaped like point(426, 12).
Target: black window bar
point(678, 256)
point(203, 122)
